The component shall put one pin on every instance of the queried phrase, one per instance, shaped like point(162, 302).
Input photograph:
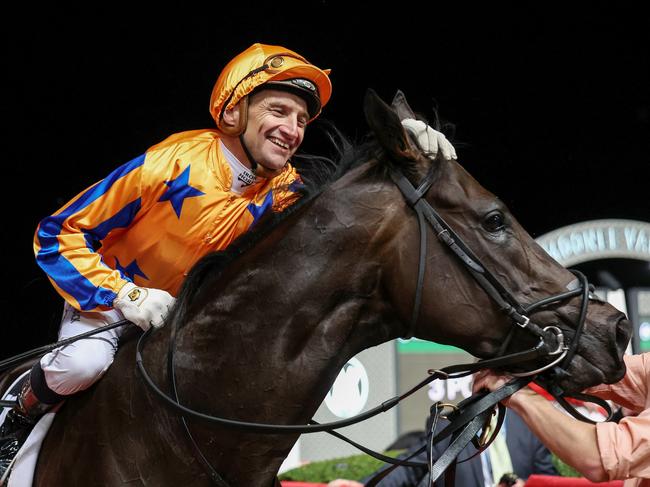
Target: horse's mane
point(316, 173)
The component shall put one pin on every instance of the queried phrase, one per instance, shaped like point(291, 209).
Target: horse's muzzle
point(620, 335)
point(623, 334)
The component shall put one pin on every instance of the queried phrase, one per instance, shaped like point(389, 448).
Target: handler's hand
point(490, 380)
point(430, 141)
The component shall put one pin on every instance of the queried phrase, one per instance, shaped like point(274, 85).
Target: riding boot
point(18, 424)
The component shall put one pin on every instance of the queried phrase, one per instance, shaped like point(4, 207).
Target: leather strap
point(471, 416)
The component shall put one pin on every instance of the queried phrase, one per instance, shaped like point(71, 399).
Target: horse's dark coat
point(263, 339)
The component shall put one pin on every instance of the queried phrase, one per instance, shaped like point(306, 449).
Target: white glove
point(143, 306)
point(430, 141)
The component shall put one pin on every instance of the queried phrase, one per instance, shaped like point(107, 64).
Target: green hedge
point(357, 467)
point(563, 469)
point(354, 467)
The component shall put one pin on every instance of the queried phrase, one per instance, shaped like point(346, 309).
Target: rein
point(35, 352)
point(470, 417)
point(450, 372)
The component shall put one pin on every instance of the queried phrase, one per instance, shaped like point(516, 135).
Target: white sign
point(349, 393)
point(451, 390)
point(598, 239)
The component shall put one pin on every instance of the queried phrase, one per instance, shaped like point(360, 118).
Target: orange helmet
point(275, 66)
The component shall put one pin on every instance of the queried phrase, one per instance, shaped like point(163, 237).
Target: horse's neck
point(268, 344)
point(297, 307)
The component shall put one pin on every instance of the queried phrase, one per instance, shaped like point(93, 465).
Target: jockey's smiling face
point(275, 129)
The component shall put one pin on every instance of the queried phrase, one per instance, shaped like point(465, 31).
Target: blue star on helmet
point(131, 270)
point(179, 189)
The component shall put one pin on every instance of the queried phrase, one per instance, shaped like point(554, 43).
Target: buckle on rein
point(559, 335)
point(524, 324)
point(441, 408)
point(486, 431)
point(561, 349)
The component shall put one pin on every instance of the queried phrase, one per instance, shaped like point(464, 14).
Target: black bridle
point(502, 297)
point(560, 354)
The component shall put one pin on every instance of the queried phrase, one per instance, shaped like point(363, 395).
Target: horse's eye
point(494, 222)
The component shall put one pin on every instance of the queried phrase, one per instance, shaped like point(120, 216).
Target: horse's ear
point(385, 123)
point(401, 106)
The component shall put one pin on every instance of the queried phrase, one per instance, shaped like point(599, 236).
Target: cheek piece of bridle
point(469, 416)
point(502, 297)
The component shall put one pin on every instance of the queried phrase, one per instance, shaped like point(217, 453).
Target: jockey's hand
point(430, 141)
point(146, 307)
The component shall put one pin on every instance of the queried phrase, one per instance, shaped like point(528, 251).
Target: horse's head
point(483, 270)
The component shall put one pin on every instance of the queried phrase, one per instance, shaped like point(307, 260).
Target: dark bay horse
point(262, 338)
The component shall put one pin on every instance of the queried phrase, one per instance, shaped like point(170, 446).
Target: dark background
point(550, 109)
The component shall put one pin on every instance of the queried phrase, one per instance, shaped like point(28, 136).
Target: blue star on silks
point(178, 190)
point(131, 270)
point(258, 211)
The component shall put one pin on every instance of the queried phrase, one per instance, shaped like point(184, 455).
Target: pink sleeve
point(633, 390)
point(625, 447)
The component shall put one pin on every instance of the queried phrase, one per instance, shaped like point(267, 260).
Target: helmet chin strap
point(250, 157)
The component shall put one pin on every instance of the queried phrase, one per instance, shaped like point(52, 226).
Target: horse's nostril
point(623, 334)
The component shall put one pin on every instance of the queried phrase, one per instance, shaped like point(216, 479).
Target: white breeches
point(80, 364)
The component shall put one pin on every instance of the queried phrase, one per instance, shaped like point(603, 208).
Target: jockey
point(121, 248)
